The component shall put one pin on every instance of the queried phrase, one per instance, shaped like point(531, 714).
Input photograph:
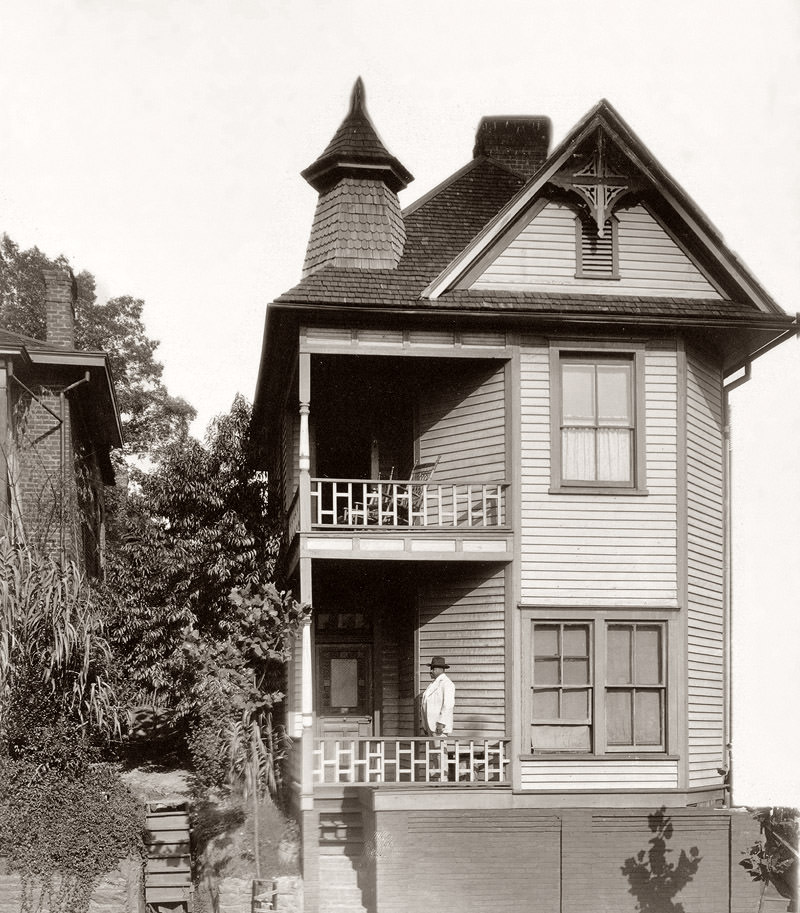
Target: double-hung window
point(597, 687)
point(597, 422)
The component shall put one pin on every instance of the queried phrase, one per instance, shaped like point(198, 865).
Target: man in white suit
point(438, 703)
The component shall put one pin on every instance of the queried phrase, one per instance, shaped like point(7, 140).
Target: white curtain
point(596, 454)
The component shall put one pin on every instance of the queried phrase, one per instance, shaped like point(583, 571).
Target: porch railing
point(393, 504)
point(410, 761)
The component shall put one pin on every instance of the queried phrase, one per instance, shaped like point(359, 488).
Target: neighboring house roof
point(36, 352)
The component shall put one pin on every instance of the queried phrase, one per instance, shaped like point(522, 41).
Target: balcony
point(406, 504)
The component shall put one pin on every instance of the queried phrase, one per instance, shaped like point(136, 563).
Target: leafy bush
point(773, 859)
point(64, 829)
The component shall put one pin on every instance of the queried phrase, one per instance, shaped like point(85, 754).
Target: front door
point(344, 690)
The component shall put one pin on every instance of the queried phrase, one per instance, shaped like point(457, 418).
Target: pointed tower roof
point(356, 150)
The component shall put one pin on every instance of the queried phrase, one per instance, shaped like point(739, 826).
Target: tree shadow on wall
point(654, 880)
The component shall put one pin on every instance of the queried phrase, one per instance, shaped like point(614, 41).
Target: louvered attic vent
point(596, 255)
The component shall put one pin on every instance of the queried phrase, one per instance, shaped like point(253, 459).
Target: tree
point(199, 629)
point(150, 415)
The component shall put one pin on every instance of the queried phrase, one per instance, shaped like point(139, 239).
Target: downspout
point(62, 402)
point(727, 735)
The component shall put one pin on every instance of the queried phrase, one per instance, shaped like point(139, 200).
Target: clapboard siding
point(542, 256)
point(462, 617)
point(461, 420)
point(397, 671)
point(611, 774)
point(600, 549)
point(704, 476)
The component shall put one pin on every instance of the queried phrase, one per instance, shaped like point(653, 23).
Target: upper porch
point(391, 456)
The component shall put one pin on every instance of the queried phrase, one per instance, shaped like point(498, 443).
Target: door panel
point(344, 686)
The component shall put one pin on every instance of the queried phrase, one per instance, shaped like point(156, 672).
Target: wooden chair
point(421, 475)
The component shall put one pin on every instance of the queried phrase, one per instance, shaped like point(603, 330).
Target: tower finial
point(358, 96)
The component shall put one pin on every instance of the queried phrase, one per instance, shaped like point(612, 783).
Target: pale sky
point(158, 144)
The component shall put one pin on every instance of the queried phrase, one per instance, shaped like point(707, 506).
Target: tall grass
point(52, 642)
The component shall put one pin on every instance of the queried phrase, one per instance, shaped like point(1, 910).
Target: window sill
point(610, 756)
point(602, 278)
point(600, 490)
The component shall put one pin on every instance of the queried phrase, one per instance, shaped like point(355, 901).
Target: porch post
point(307, 689)
point(304, 377)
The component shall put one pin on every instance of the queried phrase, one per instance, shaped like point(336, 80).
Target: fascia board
point(699, 224)
point(68, 358)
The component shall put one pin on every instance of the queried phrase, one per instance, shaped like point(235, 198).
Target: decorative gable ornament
point(598, 183)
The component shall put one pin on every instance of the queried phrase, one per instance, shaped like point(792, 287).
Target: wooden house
point(496, 423)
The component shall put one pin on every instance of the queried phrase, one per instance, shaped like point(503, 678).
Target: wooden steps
point(168, 870)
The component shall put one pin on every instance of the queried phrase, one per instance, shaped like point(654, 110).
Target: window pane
point(545, 705)
point(575, 705)
point(545, 672)
point(613, 455)
point(576, 640)
point(577, 454)
point(561, 738)
point(648, 655)
point(545, 640)
point(577, 394)
point(619, 725)
point(344, 682)
point(576, 671)
point(648, 718)
point(613, 394)
point(618, 655)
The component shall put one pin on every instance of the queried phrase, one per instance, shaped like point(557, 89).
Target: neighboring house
point(496, 421)
point(58, 424)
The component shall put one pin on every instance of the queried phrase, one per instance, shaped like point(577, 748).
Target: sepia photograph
point(399, 447)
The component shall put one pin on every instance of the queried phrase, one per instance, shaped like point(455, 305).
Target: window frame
point(592, 352)
point(599, 621)
point(580, 269)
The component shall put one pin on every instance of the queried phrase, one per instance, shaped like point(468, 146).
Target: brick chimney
point(357, 223)
point(60, 296)
point(520, 143)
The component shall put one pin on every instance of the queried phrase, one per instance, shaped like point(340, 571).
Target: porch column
point(304, 376)
point(307, 690)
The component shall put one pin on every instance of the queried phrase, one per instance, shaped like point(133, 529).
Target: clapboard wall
point(705, 584)
point(604, 549)
point(542, 257)
point(461, 420)
point(461, 616)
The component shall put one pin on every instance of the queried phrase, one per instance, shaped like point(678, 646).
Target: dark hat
point(439, 661)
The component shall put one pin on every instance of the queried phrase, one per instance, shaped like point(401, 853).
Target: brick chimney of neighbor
point(520, 143)
point(60, 297)
point(357, 223)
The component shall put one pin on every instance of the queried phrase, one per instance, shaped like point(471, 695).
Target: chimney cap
point(356, 150)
